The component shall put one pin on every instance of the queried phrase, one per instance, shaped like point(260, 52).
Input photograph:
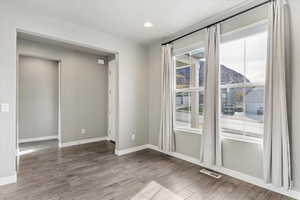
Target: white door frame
point(59, 105)
point(112, 111)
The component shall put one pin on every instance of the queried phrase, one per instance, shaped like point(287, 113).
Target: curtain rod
point(217, 22)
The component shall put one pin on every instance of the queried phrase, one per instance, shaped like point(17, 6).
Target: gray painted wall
point(239, 156)
point(132, 75)
point(83, 89)
point(294, 89)
point(38, 97)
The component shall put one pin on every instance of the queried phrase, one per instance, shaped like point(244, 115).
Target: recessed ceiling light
point(148, 24)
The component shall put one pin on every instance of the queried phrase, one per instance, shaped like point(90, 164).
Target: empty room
point(62, 93)
point(140, 100)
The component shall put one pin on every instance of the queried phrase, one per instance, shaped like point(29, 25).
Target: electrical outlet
point(132, 137)
point(83, 131)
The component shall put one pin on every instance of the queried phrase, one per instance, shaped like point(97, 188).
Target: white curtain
point(166, 135)
point(210, 152)
point(277, 161)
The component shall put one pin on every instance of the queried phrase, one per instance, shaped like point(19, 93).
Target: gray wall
point(83, 89)
point(132, 75)
point(38, 97)
point(188, 144)
point(239, 156)
point(294, 89)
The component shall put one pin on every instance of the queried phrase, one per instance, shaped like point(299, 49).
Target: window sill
point(242, 138)
point(188, 130)
point(245, 139)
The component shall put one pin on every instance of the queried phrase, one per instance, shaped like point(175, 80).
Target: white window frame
point(236, 34)
point(225, 37)
point(177, 53)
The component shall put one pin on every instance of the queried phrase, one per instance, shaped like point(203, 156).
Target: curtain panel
point(166, 134)
point(277, 155)
point(210, 152)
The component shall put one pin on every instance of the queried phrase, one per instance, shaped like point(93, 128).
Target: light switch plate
point(4, 107)
point(132, 137)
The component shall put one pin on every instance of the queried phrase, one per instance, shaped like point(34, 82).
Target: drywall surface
point(132, 76)
point(83, 89)
point(188, 144)
point(243, 157)
point(294, 73)
point(154, 92)
point(38, 97)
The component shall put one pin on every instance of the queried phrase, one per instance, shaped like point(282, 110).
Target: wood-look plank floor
point(93, 172)
point(37, 146)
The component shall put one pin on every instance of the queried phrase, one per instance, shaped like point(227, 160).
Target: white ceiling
point(125, 18)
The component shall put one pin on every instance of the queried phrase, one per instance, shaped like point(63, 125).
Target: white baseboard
point(8, 179)
point(52, 137)
point(83, 141)
point(131, 150)
point(238, 175)
point(259, 182)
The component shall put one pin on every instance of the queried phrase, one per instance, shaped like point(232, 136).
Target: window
point(189, 91)
point(242, 81)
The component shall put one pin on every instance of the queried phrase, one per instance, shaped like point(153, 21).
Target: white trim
point(184, 66)
point(53, 137)
point(258, 182)
point(64, 40)
point(251, 29)
point(8, 179)
point(183, 50)
point(48, 58)
point(188, 130)
point(131, 150)
point(59, 102)
point(190, 89)
point(83, 141)
point(112, 100)
point(242, 138)
point(235, 174)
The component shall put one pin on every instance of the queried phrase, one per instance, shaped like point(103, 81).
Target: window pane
point(183, 109)
point(183, 71)
point(190, 69)
point(200, 119)
point(189, 110)
point(254, 111)
point(198, 61)
point(232, 108)
point(255, 55)
point(183, 77)
point(190, 91)
point(242, 74)
point(232, 62)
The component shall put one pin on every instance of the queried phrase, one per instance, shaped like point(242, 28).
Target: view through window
point(242, 81)
point(189, 90)
point(241, 89)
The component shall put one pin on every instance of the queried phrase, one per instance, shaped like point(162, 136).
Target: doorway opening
point(66, 93)
point(38, 103)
